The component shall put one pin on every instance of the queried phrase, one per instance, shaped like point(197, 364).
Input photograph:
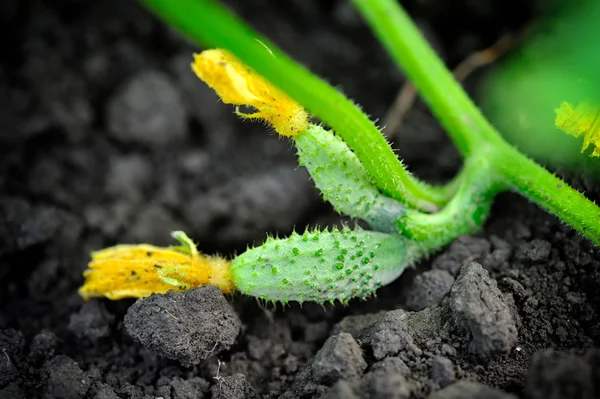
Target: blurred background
point(557, 59)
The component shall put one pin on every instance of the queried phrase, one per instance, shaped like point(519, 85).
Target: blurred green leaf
point(559, 62)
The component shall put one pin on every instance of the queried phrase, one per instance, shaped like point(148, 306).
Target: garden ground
point(107, 136)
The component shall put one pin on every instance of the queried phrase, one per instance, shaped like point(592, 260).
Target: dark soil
point(106, 136)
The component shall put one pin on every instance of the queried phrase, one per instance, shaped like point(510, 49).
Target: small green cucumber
point(321, 266)
point(343, 180)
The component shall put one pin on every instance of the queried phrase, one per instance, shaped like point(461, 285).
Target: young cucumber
point(321, 266)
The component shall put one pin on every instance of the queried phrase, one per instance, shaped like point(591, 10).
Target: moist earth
point(106, 136)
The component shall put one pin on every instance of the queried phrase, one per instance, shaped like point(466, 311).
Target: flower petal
point(237, 84)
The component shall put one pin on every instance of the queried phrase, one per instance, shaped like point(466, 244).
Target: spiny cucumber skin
point(343, 180)
point(320, 266)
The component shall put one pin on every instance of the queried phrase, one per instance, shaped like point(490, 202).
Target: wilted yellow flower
point(136, 271)
point(237, 84)
point(581, 120)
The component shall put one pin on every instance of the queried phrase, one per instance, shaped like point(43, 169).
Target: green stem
point(211, 25)
point(469, 129)
point(411, 52)
point(464, 214)
point(548, 191)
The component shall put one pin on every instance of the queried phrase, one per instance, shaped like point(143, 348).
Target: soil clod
point(340, 359)
point(232, 387)
point(107, 137)
point(428, 289)
point(186, 326)
point(64, 379)
point(470, 390)
point(482, 311)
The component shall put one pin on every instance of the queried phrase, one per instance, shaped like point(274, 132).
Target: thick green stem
point(211, 25)
point(411, 52)
point(548, 191)
point(464, 214)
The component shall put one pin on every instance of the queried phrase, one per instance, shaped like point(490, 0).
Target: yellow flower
point(237, 84)
point(581, 120)
point(135, 271)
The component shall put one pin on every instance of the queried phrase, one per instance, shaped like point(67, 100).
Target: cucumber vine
point(351, 164)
